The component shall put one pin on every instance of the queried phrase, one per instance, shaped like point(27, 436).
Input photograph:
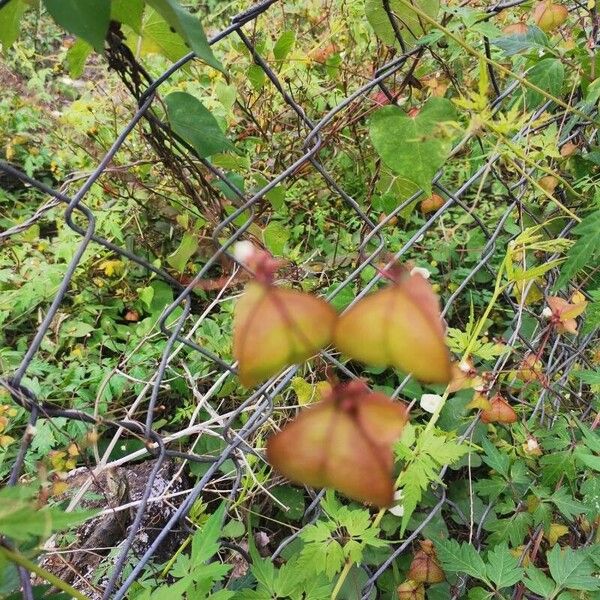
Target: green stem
point(341, 579)
point(22, 561)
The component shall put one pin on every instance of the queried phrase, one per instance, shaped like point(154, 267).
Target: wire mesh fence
point(179, 326)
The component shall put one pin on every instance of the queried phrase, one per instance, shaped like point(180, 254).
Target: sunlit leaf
point(344, 442)
point(398, 326)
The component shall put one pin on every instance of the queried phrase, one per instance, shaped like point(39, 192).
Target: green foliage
point(585, 251)
point(291, 581)
point(191, 121)
point(97, 360)
point(195, 574)
point(408, 23)
point(461, 558)
point(188, 27)
point(74, 16)
point(549, 75)
point(414, 146)
point(21, 520)
point(424, 452)
point(344, 535)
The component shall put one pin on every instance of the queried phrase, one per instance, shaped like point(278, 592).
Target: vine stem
point(341, 579)
point(22, 561)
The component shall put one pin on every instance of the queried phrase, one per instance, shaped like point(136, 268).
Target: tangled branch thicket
point(306, 155)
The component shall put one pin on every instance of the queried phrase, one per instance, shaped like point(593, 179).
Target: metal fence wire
point(510, 188)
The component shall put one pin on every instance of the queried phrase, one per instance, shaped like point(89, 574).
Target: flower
point(242, 251)
point(397, 509)
point(430, 402)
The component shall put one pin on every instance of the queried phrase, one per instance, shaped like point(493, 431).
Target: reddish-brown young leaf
point(424, 567)
point(464, 376)
point(500, 411)
point(344, 442)
point(564, 313)
point(399, 326)
point(276, 327)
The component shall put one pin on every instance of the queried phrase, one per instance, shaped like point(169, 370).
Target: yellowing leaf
point(398, 326)
point(344, 442)
point(112, 267)
point(555, 532)
point(308, 393)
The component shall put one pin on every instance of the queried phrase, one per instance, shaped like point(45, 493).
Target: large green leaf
point(572, 569)
point(128, 12)
point(20, 519)
point(188, 27)
point(87, 19)
point(188, 245)
point(192, 122)
point(538, 583)
point(76, 57)
point(410, 25)
point(10, 17)
point(154, 36)
point(503, 568)
point(549, 75)
point(460, 558)
point(414, 145)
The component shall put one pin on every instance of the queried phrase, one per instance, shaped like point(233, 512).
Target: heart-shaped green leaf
point(193, 122)
point(409, 24)
point(76, 17)
point(188, 27)
point(414, 145)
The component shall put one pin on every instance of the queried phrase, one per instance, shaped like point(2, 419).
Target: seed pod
point(424, 567)
point(500, 411)
point(431, 204)
point(548, 183)
point(549, 16)
point(568, 149)
point(516, 29)
point(411, 590)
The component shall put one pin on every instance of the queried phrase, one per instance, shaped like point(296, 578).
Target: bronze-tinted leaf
point(398, 326)
point(344, 442)
point(277, 327)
